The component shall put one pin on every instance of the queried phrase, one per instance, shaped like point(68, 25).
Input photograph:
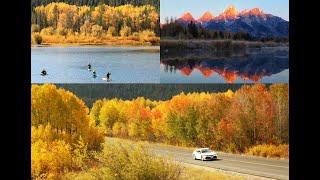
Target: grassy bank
point(49, 40)
point(216, 44)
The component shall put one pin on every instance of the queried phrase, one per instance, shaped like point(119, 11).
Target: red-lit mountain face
point(229, 14)
point(206, 17)
point(253, 12)
point(187, 17)
point(253, 21)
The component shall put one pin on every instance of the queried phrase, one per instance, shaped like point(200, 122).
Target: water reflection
point(252, 67)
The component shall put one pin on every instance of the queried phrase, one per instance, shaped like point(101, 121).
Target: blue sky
point(175, 8)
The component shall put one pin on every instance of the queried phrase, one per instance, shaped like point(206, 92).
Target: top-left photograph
point(106, 41)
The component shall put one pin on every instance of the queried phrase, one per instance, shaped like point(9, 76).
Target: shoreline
point(151, 48)
point(223, 43)
point(86, 44)
point(214, 49)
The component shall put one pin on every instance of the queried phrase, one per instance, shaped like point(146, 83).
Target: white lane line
point(256, 163)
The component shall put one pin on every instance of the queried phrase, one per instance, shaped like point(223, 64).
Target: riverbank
point(210, 49)
point(217, 44)
point(97, 45)
point(138, 48)
point(57, 40)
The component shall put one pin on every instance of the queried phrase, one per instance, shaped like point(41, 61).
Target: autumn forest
point(92, 23)
point(68, 137)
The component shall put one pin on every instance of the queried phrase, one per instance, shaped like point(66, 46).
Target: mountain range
point(253, 21)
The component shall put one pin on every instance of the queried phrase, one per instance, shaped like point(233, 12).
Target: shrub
point(47, 31)
point(125, 31)
point(146, 35)
point(134, 37)
point(85, 29)
point(36, 38)
point(119, 129)
point(111, 32)
point(266, 150)
point(50, 159)
point(35, 28)
point(43, 133)
point(136, 162)
point(61, 31)
point(129, 162)
point(96, 31)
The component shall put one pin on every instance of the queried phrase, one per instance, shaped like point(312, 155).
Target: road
point(257, 166)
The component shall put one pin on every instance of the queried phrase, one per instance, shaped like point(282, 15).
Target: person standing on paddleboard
point(108, 76)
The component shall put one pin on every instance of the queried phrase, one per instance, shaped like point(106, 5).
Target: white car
point(204, 154)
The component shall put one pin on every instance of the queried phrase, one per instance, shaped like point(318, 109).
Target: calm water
point(268, 65)
point(69, 64)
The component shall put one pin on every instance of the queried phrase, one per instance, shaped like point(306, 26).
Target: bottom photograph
point(157, 131)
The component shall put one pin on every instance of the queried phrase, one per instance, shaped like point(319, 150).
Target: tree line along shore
point(61, 23)
point(173, 49)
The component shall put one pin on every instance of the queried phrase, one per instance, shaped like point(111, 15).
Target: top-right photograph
point(225, 41)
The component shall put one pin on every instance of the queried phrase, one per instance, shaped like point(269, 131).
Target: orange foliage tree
point(231, 121)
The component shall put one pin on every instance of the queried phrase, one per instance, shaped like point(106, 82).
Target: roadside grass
point(267, 151)
point(192, 173)
point(121, 159)
point(270, 151)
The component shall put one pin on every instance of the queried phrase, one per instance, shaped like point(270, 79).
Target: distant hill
point(89, 93)
point(254, 21)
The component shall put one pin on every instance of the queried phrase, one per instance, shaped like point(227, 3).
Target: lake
point(69, 64)
point(265, 65)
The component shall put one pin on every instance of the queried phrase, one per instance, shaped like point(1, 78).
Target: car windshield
point(206, 151)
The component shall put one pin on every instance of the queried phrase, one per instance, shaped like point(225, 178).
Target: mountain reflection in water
point(253, 67)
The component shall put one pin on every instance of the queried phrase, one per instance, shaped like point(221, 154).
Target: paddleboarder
point(43, 72)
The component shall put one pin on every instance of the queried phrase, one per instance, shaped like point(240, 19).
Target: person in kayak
point(43, 72)
point(89, 67)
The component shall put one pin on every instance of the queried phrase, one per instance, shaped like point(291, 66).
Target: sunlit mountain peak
point(187, 16)
point(207, 16)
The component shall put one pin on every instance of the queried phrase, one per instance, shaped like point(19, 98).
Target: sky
point(175, 8)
